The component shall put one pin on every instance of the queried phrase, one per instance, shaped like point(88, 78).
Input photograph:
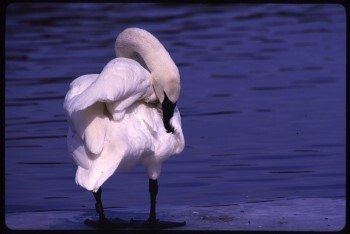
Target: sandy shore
point(311, 214)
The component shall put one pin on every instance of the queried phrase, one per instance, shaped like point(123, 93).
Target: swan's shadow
point(117, 223)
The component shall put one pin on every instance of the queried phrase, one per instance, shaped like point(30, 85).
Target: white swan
point(125, 115)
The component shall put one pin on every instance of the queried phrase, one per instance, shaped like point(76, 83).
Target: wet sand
point(311, 214)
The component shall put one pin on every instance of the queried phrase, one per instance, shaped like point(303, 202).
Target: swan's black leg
point(153, 191)
point(152, 222)
point(103, 222)
point(98, 204)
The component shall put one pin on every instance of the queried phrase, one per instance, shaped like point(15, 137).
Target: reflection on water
point(263, 101)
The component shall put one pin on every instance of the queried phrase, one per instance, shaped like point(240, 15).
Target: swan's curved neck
point(142, 46)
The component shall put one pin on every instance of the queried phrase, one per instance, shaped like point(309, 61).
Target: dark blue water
point(262, 102)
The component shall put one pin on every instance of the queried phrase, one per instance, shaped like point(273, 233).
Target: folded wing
point(121, 83)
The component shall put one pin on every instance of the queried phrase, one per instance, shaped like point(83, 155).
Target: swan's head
point(166, 81)
point(167, 88)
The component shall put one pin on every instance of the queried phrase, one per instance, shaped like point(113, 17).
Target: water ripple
point(270, 88)
point(34, 137)
point(43, 163)
point(213, 113)
point(289, 172)
point(228, 76)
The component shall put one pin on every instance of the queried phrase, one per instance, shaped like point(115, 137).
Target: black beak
point(168, 112)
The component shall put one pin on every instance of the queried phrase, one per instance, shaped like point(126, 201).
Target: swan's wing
point(121, 83)
point(88, 126)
